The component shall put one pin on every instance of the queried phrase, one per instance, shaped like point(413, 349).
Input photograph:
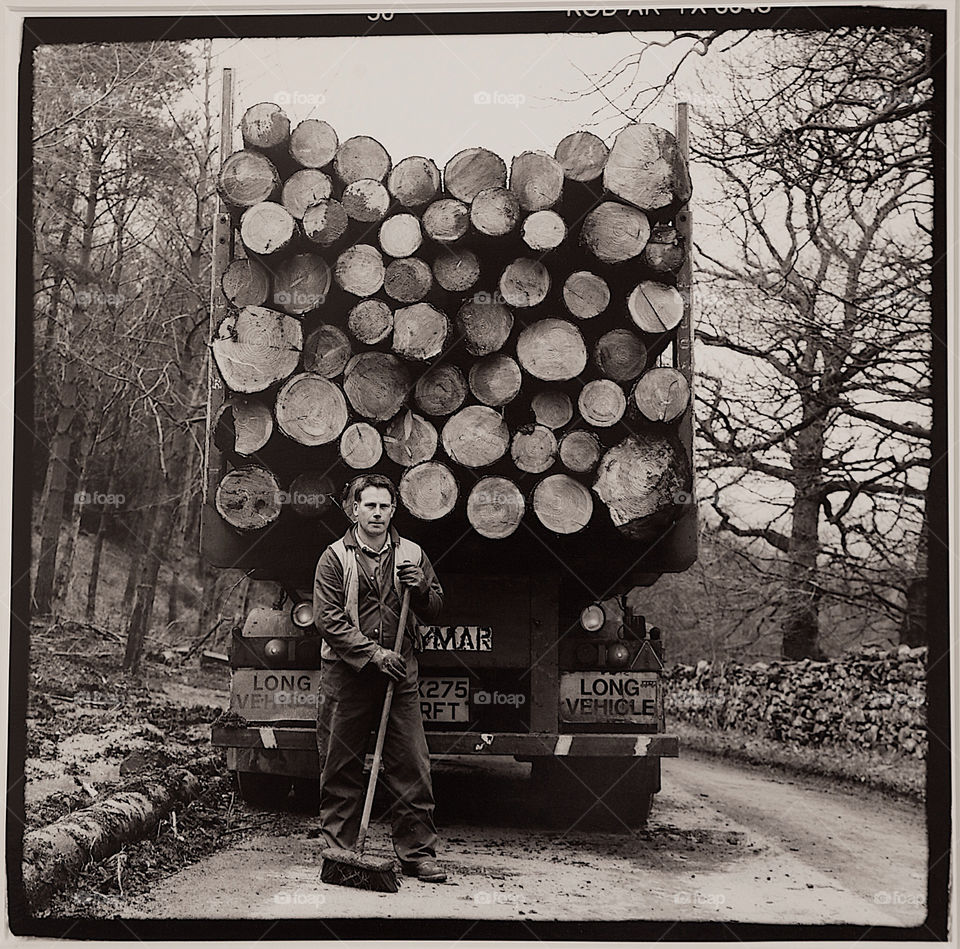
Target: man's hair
point(374, 481)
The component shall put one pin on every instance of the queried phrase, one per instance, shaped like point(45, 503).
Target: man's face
point(373, 510)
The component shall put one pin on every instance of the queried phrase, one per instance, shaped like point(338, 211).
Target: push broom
point(350, 867)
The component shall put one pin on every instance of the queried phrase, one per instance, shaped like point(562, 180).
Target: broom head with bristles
point(346, 868)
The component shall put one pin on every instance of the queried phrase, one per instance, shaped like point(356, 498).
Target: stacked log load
point(487, 335)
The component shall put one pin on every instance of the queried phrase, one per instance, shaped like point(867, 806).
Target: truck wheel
point(263, 790)
point(595, 793)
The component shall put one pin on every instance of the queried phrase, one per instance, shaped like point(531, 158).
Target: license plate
point(445, 698)
point(266, 695)
point(610, 697)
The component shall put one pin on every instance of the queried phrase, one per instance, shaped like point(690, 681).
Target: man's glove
point(390, 663)
point(413, 576)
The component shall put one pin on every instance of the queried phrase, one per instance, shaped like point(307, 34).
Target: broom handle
point(382, 731)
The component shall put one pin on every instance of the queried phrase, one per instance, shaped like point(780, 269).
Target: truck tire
point(595, 793)
point(262, 789)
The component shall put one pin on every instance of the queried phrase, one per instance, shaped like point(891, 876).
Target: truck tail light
point(275, 648)
point(618, 655)
point(302, 614)
point(592, 618)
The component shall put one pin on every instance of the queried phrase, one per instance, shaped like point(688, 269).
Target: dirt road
point(723, 843)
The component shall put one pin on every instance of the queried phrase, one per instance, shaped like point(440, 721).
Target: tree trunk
point(265, 126)
point(420, 331)
point(580, 450)
point(366, 201)
point(602, 403)
point(552, 408)
point(313, 143)
point(248, 498)
point(301, 283)
point(495, 212)
point(361, 157)
point(495, 379)
point(251, 423)
point(913, 629)
point(248, 178)
point(361, 445)
point(325, 222)
point(408, 280)
point(246, 282)
point(620, 354)
point(267, 228)
point(661, 394)
point(485, 326)
point(473, 170)
point(475, 436)
point(562, 504)
point(543, 230)
point(525, 282)
point(311, 410)
point(495, 507)
point(456, 269)
point(615, 232)
point(534, 448)
point(537, 180)
point(429, 490)
point(582, 156)
point(401, 235)
point(414, 182)
point(256, 348)
point(102, 522)
point(655, 307)
point(326, 351)
point(359, 270)
point(645, 168)
point(664, 251)
point(586, 295)
point(410, 439)
point(376, 384)
point(441, 390)
point(304, 189)
point(446, 220)
point(370, 322)
point(552, 350)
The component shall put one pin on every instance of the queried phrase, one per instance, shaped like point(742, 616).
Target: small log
point(562, 504)
point(366, 200)
point(414, 182)
point(267, 228)
point(525, 282)
point(247, 178)
point(429, 490)
point(376, 384)
point(256, 347)
point(580, 450)
point(248, 498)
point(582, 156)
point(361, 445)
point(245, 282)
point(301, 283)
point(537, 180)
point(410, 439)
point(655, 307)
point(585, 294)
point(552, 408)
point(645, 167)
point(552, 350)
point(495, 211)
point(420, 331)
point(615, 232)
point(370, 322)
point(543, 230)
point(401, 235)
point(265, 126)
point(361, 157)
point(485, 326)
point(475, 436)
point(473, 170)
point(251, 422)
point(620, 354)
point(326, 351)
point(456, 269)
point(304, 189)
point(325, 222)
point(602, 403)
point(664, 252)
point(313, 143)
point(359, 270)
point(495, 507)
point(310, 409)
point(534, 448)
point(495, 380)
point(661, 394)
point(440, 390)
point(311, 494)
point(408, 279)
point(446, 220)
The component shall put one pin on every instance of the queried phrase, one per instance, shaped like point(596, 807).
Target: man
point(356, 602)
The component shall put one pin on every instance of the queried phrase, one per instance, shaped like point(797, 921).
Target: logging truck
point(514, 350)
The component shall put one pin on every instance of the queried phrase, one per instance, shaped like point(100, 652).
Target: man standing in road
point(356, 603)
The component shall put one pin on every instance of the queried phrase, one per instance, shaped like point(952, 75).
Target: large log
point(326, 351)
point(446, 220)
point(310, 409)
point(543, 230)
point(376, 384)
point(429, 490)
point(495, 211)
point(325, 222)
point(582, 155)
point(534, 448)
point(247, 178)
point(313, 143)
point(615, 232)
point(361, 157)
point(250, 421)
point(562, 504)
point(414, 182)
point(248, 498)
point(359, 270)
point(441, 390)
point(661, 394)
point(495, 379)
point(524, 282)
point(265, 126)
point(304, 189)
point(485, 325)
point(580, 450)
point(456, 269)
point(256, 347)
point(301, 283)
point(410, 439)
point(620, 354)
point(420, 331)
point(370, 321)
point(552, 350)
point(644, 482)
point(401, 235)
point(655, 307)
point(537, 180)
point(311, 494)
point(473, 170)
point(408, 279)
point(585, 294)
point(365, 200)
point(495, 507)
point(267, 228)
point(552, 408)
point(602, 403)
point(245, 282)
point(475, 436)
point(645, 167)
point(361, 445)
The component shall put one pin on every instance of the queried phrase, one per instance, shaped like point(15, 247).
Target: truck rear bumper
point(470, 743)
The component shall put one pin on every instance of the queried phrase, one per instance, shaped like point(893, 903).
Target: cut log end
point(661, 394)
point(429, 490)
point(248, 498)
point(552, 350)
point(475, 436)
point(311, 410)
point(495, 507)
point(361, 445)
point(562, 504)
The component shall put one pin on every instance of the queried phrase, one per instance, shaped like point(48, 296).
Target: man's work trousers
point(350, 707)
